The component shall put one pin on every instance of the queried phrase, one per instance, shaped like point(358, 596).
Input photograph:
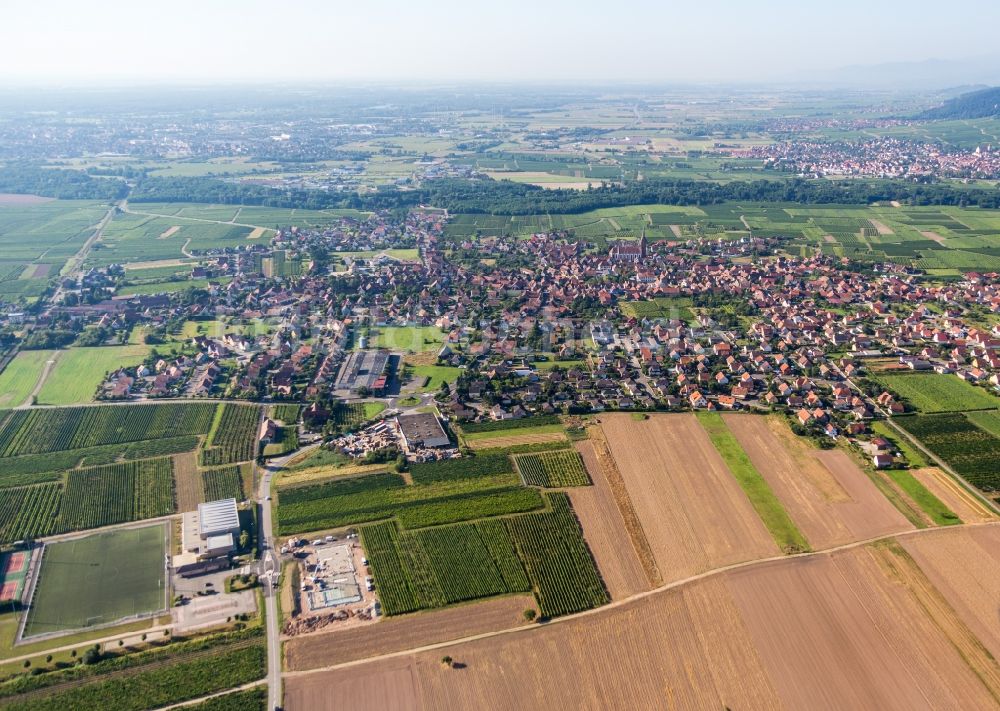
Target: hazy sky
point(539, 40)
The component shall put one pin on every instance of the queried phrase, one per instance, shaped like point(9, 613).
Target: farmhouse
point(421, 431)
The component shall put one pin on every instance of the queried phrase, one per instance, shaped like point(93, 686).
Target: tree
point(530, 614)
point(244, 539)
point(92, 655)
point(447, 661)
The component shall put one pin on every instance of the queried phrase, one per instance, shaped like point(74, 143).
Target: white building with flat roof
point(211, 531)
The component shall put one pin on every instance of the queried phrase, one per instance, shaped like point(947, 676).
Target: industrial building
point(421, 431)
point(208, 536)
point(368, 369)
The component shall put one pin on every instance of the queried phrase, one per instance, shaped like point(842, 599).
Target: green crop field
point(969, 450)
point(349, 416)
point(430, 377)
point(931, 392)
point(118, 493)
point(18, 379)
point(234, 435)
point(765, 503)
point(559, 564)
point(141, 238)
point(99, 579)
point(151, 428)
point(418, 339)
point(223, 483)
point(552, 469)
point(47, 233)
point(444, 499)
point(161, 680)
point(79, 371)
point(29, 511)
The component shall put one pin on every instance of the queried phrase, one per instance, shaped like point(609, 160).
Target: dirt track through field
point(393, 634)
point(693, 512)
point(828, 497)
point(604, 530)
point(964, 504)
point(170, 232)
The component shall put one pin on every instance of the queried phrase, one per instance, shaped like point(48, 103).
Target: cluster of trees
point(490, 196)
point(509, 198)
point(59, 183)
point(975, 104)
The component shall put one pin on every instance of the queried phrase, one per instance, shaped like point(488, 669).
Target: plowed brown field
point(826, 494)
point(861, 628)
point(397, 633)
point(650, 654)
point(837, 632)
point(964, 564)
point(604, 530)
point(694, 513)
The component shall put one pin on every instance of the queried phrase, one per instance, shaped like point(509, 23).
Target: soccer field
point(98, 580)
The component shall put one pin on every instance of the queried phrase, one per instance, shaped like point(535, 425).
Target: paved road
point(269, 568)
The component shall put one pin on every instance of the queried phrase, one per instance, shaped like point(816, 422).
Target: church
point(628, 251)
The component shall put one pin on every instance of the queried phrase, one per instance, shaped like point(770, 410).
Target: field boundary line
point(619, 491)
point(673, 585)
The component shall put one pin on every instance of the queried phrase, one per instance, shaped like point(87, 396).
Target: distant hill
point(976, 104)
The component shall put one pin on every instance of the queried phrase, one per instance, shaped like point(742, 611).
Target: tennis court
point(13, 567)
point(99, 579)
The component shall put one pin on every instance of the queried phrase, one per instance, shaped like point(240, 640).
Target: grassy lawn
point(168, 287)
point(99, 579)
point(416, 339)
point(75, 377)
point(765, 503)
point(436, 374)
point(932, 505)
point(19, 377)
point(932, 392)
point(988, 420)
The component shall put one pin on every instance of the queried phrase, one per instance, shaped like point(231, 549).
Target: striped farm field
point(552, 469)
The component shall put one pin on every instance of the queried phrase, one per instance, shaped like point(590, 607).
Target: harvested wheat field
point(648, 654)
point(693, 512)
point(393, 634)
point(963, 503)
point(516, 440)
point(964, 564)
point(604, 530)
point(170, 232)
point(860, 628)
point(830, 499)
